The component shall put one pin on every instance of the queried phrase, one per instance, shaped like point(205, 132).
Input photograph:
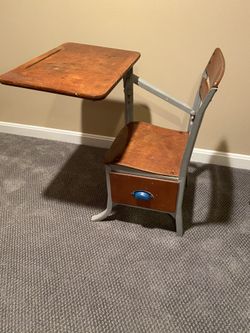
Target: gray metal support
point(196, 106)
point(108, 210)
point(194, 132)
point(161, 94)
point(178, 213)
point(129, 95)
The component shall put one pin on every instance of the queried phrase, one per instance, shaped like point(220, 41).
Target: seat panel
point(148, 148)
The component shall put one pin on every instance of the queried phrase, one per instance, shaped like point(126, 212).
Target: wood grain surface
point(74, 69)
point(148, 148)
point(215, 70)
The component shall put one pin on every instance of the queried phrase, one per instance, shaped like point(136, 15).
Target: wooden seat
point(148, 148)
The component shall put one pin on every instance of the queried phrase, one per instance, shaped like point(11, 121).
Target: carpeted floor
point(60, 272)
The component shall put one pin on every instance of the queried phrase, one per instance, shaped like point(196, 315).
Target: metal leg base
point(101, 216)
point(108, 210)
point(179, 224)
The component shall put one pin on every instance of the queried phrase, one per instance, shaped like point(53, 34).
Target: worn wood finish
point(204, 88)
point(215, 71)
point(164, 192)
point(74, 69)
point(149, 148)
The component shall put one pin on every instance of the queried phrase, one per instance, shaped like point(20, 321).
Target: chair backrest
point(210, 80)
point(213, 73)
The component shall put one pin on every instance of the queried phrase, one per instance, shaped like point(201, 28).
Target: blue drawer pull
point(142, 195)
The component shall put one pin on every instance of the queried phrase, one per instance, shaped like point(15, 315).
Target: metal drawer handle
point(142, 195)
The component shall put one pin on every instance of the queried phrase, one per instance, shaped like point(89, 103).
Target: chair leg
point(186, 181)
point(108, 210)
point(179, 223)
point(178, 215)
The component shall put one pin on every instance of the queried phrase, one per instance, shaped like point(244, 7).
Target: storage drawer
point(164, 192)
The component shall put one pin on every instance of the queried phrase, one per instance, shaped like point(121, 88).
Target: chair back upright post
point(210, 80)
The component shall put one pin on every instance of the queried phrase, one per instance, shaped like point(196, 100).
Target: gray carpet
point(60, 272)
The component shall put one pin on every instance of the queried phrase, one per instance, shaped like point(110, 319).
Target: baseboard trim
point(199, 155)
point(232, 160)
point(56, 134)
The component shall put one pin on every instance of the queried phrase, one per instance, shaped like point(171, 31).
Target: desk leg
point(128, 92)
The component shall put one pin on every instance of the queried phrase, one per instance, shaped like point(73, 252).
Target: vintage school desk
point(147, 165)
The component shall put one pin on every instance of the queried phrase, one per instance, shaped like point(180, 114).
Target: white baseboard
point(199, 155)
point(232, 160)
point(56, 134)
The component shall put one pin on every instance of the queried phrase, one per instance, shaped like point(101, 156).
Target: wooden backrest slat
point(204, 88)
point(214, 70)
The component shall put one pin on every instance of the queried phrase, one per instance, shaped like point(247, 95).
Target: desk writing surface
point(74, 69)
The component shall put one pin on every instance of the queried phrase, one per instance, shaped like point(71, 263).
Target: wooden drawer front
point(164, 191)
